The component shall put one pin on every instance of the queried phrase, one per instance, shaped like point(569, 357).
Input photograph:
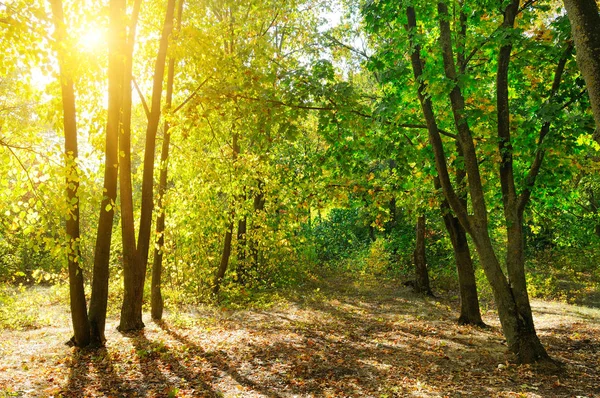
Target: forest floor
point(345, 338)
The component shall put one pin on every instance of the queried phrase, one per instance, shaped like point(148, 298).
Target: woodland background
point(171, 155)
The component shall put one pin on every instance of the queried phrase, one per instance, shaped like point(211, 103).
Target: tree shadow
point(78, 374)
point(219, 360)
point(158, 361)
point(110, 382)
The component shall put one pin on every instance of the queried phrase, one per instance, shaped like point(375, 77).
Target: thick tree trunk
point(136, 260)
point(81, 326)
point(420, 260)
point(585, 28)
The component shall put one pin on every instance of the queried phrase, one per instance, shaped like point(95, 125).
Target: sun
point(92, 39)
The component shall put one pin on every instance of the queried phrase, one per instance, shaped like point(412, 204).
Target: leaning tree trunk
point(81, 326)
point(470, 313)
point(225, 255)
point(585, 28)
point(134, 265)
point(420, 260)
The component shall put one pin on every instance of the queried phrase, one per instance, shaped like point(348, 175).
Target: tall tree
point(156, 299)
point(509, 291)
point(81, 325)
point(585, 28)
point(99, 298)
point(135, 256)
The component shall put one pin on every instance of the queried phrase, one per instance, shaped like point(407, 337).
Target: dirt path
point(349, 340)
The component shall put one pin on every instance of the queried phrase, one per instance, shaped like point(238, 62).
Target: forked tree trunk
point(585, 28)
point(81, 326)
point(420, 259)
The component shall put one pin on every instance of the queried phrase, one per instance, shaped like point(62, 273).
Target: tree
point(99, 298)
point(81, 325)
point(157, 303)
point(510, 290)
point(585, 20)
point(135, 256)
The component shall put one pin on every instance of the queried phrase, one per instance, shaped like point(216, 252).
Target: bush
point(340, 235)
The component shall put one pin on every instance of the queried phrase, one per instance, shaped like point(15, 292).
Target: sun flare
point(92, 39)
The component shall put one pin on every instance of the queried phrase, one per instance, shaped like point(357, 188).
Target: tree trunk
point(470, 313)
point(157, 303)
point(136, 259)
point(420, 260)
point(241, 252)
point(125, 184)
point(99, 299)
point(585, 28)
point(225, 255)
point(81, 326)
point(258, 206)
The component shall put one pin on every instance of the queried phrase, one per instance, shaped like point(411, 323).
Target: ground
point(342, 339)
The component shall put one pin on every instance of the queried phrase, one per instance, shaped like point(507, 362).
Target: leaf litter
point(347, 339)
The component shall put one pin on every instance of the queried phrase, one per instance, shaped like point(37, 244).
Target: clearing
point(346, 338)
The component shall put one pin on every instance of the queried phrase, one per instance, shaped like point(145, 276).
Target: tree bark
point(156, 301)
point(585, 28)
point(135, 264)
point(258, 206)
point(420, 260)
point(81, 325)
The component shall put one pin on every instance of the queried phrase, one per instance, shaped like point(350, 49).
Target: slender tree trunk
point(99, 299)
point(258, 206)
point(157, 303)
point(225, 255)
point(241, 252)
point(81, 326)
point(420, 260)
point(125, 183)
point(134, 270)
point(585, 28)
